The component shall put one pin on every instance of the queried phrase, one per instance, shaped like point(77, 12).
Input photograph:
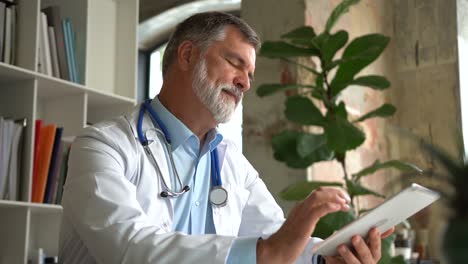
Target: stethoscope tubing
point(215, 169)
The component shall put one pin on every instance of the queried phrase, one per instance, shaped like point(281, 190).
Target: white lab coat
point(113, 213)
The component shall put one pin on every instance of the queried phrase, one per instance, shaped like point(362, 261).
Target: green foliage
point(377, 165)
point(361, 52)
point(301, 110)
point(327, 225)
point(342, 135)
point(301, 36)
point(342, 8)
point(454, 176)
point(356, 189)
point(332, 44)
point(280, 49)
point(288, 146)
point(318, 105)
point(384, 110)
point(372, 81)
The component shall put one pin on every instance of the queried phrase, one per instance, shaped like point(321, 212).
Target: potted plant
point(451, 182)
point(319, 105)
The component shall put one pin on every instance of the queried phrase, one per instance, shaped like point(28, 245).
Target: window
point(155, 71)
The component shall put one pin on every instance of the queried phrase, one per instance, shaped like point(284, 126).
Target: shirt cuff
point(243, 250)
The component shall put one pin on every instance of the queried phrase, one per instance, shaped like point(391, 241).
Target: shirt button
point(197, 203)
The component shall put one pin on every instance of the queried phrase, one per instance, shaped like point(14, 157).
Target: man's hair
point(203, 29)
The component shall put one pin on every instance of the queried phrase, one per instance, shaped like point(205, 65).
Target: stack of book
point(57, 46)
point(50, 163)
point(7, 31)
point(10, 157)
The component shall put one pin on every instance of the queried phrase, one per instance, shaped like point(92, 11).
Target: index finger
point(388, 232)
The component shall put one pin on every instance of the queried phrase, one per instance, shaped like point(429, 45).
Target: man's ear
point(186, 54)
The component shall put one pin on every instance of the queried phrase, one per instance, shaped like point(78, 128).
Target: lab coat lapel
point(221, 153)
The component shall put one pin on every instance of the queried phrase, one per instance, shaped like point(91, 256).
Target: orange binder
point(44, 154)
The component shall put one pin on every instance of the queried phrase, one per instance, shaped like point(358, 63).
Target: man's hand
point(365, 253)
point(287, 244)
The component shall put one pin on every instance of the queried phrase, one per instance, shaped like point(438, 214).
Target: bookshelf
point(106, 58)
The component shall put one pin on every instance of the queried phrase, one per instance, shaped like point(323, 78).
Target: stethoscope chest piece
point(218, 196)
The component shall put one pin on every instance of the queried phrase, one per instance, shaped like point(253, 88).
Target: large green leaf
point(319, 82)
point(385, 250)
point(342, 135)
point(333, 222)
point(383, 111)
point(271, 88)
point(339, 10)
point(319, 41)
point(356, 189)
point(302, 110)
point(285, 145)
point(358, 54)
point(373, 81)
point(333, 43)
point(399, 165)
point(299, 191)
point(341, 111)
point(313, 146)
point(301, 36)
point(319, 91)
point(281, 49)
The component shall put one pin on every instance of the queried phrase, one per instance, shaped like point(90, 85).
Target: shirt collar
point(180, 133)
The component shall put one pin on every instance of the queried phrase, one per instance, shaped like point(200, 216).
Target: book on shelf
point(10, 157)
point(44, 51)
point(7, 31)
point(53, 53)
point(5, 147)
point(54, 20)
point(54, 167)
point(69, 36)
point(7, 36)
point(66, 143)
point(13, 35)
point(44, 153)
point(2, 28)
point(57, 46)
point(50, 163)
point(14, 166)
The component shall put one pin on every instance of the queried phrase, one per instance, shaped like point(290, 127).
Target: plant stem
point(302, 65)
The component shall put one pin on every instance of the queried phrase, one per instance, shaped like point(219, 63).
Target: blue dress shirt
point(192, 210)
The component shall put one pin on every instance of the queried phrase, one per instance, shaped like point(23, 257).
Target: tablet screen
point(390, 213)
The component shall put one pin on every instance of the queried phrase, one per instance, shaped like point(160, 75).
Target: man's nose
point(242, 83)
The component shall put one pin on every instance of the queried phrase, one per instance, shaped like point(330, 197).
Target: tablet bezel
point(388, 214)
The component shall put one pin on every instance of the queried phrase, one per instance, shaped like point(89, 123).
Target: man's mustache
point(233, 90)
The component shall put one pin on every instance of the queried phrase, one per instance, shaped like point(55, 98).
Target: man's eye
point(231, 62)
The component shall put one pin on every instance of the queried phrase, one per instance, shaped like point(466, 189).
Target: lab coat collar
point(158, 147)
point(180, 133)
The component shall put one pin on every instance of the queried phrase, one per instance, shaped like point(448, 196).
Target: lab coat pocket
point(227, 219)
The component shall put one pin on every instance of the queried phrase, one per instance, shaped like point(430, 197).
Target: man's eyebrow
point(237, 57)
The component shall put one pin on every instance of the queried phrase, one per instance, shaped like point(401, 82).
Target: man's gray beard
point(222, 107)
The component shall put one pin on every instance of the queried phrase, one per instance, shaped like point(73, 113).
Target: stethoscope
point(218, 195)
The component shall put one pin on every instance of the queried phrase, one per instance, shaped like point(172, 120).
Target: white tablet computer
point(390, 213)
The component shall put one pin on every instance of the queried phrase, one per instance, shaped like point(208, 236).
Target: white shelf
point(35, 207)
point(11, 73)
point(106, 54)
